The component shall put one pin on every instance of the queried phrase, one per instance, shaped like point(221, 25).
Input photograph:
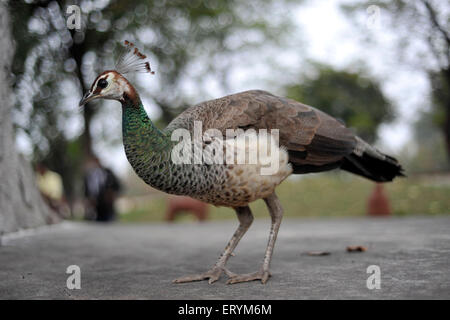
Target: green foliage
point(351, 97)
point(427, 152)
point(440, 94)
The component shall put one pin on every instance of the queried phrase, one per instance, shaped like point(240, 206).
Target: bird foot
point(213, 275)
point(262, 275)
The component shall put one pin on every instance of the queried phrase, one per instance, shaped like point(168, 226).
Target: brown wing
point(315, 140)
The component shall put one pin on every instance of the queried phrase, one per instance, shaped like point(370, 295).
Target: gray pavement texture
point(139, 261)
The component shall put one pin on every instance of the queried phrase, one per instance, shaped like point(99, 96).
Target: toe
point(213, 275)
point(242, 278)
point(229, 273)
point(265, 277)
point(189, 278)
point(260, 275)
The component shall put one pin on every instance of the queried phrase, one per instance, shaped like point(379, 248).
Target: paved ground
point(139, 261)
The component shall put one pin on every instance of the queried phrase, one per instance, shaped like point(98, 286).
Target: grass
point(325, 195)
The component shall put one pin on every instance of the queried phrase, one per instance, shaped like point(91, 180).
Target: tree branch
point(435, 22)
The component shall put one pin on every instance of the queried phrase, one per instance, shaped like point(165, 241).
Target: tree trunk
point(21, 205)
point(446, 129)
point(446, 103)
point(77, 51)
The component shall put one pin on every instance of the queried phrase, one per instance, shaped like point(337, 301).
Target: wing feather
point(312, 137)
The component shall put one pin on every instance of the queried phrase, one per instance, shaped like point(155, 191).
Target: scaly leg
point(245, 220)
point(276, 213)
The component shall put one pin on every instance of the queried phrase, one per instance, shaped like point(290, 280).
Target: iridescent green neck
point(137, 125)
point(145, 145)
point(149, 149)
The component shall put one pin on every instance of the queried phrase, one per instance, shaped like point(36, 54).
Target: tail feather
point(368, 162)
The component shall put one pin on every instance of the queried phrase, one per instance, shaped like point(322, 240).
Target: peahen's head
point(112, 84)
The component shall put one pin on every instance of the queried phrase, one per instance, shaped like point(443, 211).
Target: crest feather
point(132, 60)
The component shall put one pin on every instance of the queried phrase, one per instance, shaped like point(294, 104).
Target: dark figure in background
point(101, 188)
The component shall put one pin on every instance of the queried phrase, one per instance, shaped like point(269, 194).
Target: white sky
point(333, 38)
point(328, 36)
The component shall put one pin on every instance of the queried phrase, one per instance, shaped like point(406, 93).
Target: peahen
point(309, 141)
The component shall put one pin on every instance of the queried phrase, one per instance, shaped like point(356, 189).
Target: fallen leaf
point(318, 253)
point(356, 249)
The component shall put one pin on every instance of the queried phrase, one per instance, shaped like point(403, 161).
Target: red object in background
point(176, 205)
point(378, 203)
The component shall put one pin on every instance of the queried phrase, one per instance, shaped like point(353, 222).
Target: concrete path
point(140, 261)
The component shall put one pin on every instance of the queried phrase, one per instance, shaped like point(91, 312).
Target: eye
point(102, 83)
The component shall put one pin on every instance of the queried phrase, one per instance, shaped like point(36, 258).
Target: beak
point(89, 96)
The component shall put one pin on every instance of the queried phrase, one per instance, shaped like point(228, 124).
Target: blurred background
point(382, 67)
